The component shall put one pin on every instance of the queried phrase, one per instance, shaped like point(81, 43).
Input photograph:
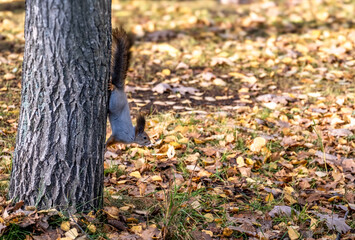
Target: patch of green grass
point(221, 174)
point(115, 169)
point(15, 232)
point(180, 213)
point(258, 205)
point(56, 220)
point(274, 146)
point(350, 138)
point(264, 113)
point(240, 145)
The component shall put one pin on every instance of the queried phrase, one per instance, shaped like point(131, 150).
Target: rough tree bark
point(58, 160)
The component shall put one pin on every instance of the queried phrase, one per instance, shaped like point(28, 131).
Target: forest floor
point(251, 109)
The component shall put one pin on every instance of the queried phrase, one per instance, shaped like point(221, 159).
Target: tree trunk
point(58, 160)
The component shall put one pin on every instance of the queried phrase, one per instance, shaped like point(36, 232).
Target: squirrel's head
point(141, 137)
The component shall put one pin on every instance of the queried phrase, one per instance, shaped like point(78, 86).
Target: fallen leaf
point(292, 233)
point(258, 144)
point(65, 226)
point(282, 210)
point(333, 222)
point(72, 233)
point(135, 174)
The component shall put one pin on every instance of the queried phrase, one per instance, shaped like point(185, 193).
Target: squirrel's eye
point(145, 137)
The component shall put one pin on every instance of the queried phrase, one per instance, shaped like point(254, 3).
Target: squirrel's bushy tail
point(120, 57)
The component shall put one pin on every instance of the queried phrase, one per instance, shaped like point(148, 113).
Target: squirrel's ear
point(140, 124)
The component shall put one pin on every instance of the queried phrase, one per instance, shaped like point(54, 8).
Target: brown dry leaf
point(245, 171)
point(9, 76)
point(192, 158)
point(282, 210)
point(182, 65)
point(208, 151)
point(151, 233)
point(246, 228)
point(200, 235)
point(113, 212)
point(334, 222)
point(288, 191)
point(220, 61)
point(161, 88)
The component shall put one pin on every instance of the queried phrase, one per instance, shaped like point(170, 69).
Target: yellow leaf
point(292, 233)
point(157, 178)
point(183, 140)
point(170, 138)
point(198, 141)
point(237, 75)
point(182, 129)
point(204, 173)
point(166, 72)
point(135, 174)
point(332, 199)
point(163, 149)
point(208, 232)
point(125, 208)
point(227, 232)
point(121, 182)
point(209, 217)
point(92, 228)
point(287, 60)
point(175, 145)
point(269, 198)
point(209, 161)
point(258, 144)
point(137, 229)
point(240, 162)
point(65, 226)
point(230, 156)
point(249, 161)
point(132, 220)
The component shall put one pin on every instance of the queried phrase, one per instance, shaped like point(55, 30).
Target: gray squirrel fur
point(123, 130)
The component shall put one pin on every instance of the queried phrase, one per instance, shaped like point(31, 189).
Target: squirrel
point(119, 113)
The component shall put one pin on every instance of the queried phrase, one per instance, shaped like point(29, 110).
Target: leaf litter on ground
point(251, 115)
